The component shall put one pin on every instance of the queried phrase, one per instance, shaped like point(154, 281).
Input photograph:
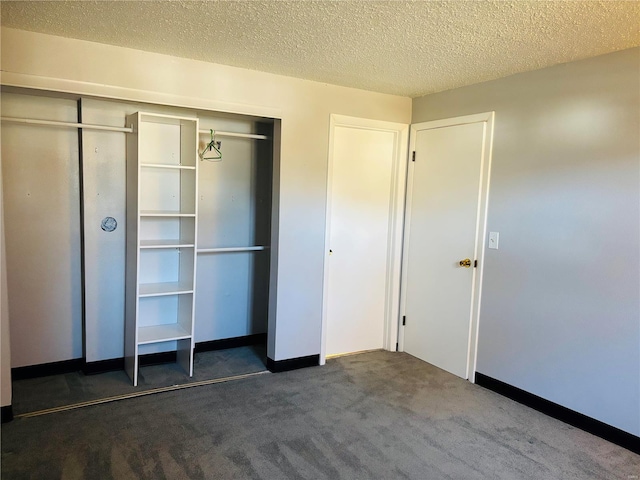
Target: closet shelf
point(177, 243)
point(166, 165)
point(231, 249)
point(162, 333)
point(161, 289)
point(235, 134)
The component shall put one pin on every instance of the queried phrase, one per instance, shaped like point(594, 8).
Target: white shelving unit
point(162, 184)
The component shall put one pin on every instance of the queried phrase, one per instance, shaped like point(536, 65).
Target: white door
point(444, 218)
point(364, 215)
point(41, 199)
point(104, 190)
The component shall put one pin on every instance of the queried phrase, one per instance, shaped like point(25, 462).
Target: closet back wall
point(234, 210)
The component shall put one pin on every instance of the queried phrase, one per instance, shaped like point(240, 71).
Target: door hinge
point(404, 320)
point(475, 264)
point(413, 156)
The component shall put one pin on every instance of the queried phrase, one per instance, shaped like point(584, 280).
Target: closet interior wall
point(234, 202)
point(234, 210)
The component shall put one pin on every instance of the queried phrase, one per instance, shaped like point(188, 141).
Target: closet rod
point(233, 134)
point(53, 123)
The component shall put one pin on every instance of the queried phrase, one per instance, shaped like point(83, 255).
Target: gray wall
point(560, 314)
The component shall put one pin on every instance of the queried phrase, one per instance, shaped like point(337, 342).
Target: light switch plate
point(494, 239)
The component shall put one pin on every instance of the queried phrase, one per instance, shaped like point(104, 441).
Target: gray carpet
point(34, 394)
point(378, 415)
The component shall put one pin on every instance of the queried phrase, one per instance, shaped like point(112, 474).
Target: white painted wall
point(54, 63)
point(560, 313)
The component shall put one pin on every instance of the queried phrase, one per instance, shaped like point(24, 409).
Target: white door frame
point(396, 216)
point(481, 226)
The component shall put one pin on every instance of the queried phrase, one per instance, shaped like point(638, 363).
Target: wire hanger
point(214, 147)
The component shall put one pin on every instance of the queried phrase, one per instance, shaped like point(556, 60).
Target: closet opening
point(234, 250)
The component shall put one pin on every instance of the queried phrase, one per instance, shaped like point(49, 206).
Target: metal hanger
point(213, 147)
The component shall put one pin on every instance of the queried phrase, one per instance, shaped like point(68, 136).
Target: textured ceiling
point(399, 47)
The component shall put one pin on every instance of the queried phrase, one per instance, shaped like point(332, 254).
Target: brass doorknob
point(466, 263)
